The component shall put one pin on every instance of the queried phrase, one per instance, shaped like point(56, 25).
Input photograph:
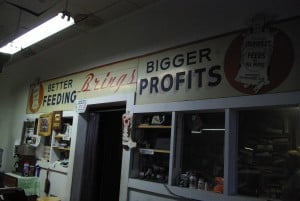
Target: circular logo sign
point(257, 62)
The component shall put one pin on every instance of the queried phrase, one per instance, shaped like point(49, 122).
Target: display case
point(151, 157)
point(266, 136)
point(187, 153)
point(200, 139)
point(243, 152)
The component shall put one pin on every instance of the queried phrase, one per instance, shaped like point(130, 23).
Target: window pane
point(203, 151)
point(266, 137)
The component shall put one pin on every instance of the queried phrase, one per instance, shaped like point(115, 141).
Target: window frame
point(231, 106)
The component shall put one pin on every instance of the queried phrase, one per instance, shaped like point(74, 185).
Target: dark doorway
point(102, 156)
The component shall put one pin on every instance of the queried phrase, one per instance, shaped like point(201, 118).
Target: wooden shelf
point(162, 151)
point(152, 151)
point(153, 126)
point(61, 148)
point(59, 136)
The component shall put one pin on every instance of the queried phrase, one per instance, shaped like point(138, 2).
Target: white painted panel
point(138, 196)
point(58, 184)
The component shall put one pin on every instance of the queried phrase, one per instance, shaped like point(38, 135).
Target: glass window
point(268, 153)
point(202, 161)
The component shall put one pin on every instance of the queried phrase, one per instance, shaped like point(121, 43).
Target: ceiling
point(18, 16)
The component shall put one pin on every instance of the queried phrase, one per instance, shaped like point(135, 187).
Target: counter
point(30, 185)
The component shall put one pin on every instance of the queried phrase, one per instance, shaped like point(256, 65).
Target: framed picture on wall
point(56, 120)
point(45, 124)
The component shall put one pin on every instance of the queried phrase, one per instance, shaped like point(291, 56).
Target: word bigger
point(172, 79)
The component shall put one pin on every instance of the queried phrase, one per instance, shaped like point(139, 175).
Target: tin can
point(184, 180)
point(193, 181)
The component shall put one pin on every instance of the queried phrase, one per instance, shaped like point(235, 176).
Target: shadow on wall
point(4, 58)
point(1, 153)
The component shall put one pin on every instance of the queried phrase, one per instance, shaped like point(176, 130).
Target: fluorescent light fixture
point(48, 28)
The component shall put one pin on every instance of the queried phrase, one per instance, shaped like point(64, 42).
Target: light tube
point(48, 28)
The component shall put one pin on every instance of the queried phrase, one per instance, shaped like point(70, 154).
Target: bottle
point(37, 170)
point(26, 169)
point(205, 186)
point(201, 184)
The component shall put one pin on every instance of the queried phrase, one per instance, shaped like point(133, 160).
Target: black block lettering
point(200, 71)
point(166, 82)
point(154, 84)
point(165, 63)
point(150, 66)
point(179, 79)
point(191, 58)
point(178, 60)
point(143, 85)
point(212, 73)
point(204, 53)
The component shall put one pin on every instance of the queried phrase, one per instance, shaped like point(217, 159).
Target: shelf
point(61, 148)
point(59, 170)
point(152, 151)
point(61, 141)
point(153, 126)
point(59, 136)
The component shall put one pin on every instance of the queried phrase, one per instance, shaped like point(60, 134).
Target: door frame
point(75, 169)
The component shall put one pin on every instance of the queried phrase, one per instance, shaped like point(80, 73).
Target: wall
point(165, 24)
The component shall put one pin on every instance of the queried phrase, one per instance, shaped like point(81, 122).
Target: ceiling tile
point(117, 10)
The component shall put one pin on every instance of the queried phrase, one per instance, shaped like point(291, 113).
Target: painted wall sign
point(61, 93)
point(261, 59)
point(186, 73)
point(258, 60)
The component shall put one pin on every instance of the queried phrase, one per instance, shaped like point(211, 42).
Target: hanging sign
point(80, 106)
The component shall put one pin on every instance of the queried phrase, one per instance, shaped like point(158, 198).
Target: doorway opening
point(102, 159)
